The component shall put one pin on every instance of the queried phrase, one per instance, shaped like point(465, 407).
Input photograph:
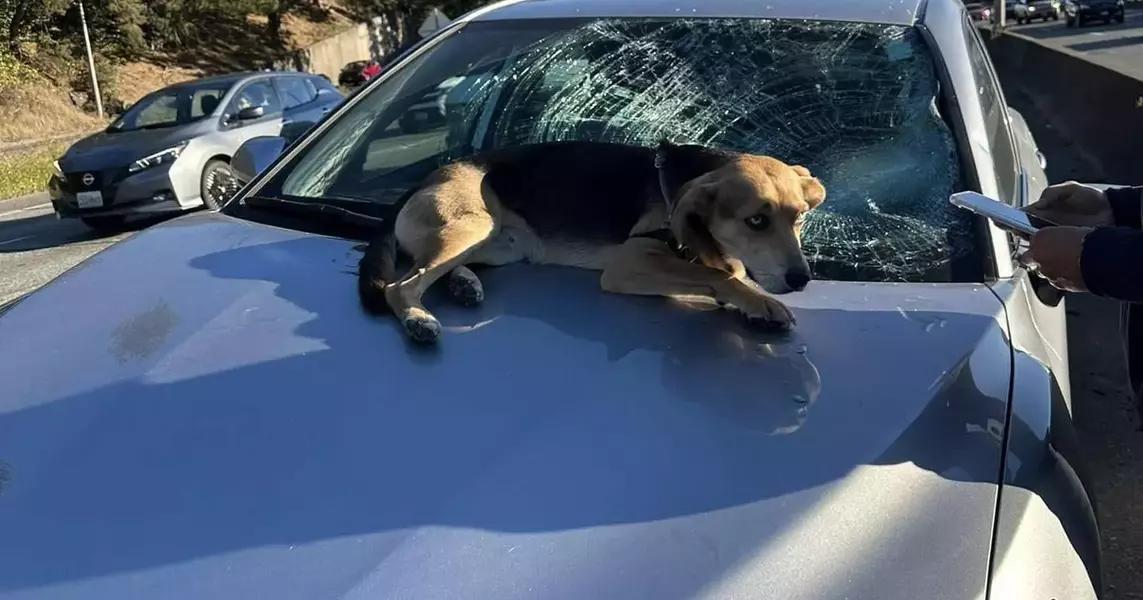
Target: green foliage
point(108, 78)
point(13, 72)
point(27, 173)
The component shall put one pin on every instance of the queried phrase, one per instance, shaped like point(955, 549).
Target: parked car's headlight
point(57, 170)
point(147, 162)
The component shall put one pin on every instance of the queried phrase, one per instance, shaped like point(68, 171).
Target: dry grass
point(138, 79)
point(38, 110)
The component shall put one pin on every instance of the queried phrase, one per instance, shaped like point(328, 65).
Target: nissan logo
point(88, 179)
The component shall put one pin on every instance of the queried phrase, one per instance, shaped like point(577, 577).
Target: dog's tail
point(377, 268)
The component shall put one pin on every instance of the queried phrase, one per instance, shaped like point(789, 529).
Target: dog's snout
point(797, 279)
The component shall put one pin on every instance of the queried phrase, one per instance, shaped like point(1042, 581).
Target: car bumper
point(150, 191)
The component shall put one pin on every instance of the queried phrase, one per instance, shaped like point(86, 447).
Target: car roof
point(896, 12)
point(230, 78)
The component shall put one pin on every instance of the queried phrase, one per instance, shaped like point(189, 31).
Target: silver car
point(171, 150)
point(215, 416)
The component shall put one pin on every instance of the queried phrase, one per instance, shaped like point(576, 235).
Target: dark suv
point(1079, 13)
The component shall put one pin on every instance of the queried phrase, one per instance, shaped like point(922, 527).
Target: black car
point(352, 74)
point(1081, 12)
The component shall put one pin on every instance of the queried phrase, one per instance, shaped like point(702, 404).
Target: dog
point(675, 221)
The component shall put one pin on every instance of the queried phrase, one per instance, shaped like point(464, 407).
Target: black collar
point(664, 233)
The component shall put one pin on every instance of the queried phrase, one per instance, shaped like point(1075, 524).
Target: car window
point(163, 110)
point(257, 93)
point(172, 107)
point(296, 91)
point(322, 83)
point(995, 111)
point(855, 103)
point(205, 101)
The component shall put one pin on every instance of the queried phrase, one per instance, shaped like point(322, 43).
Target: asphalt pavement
point(35, 247)
point(1118, 46)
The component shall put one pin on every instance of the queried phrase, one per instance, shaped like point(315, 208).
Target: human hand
point(1072, 204)
point(1055, 253)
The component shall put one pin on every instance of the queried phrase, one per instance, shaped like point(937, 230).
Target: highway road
point(1118, 46)
point(35, 247)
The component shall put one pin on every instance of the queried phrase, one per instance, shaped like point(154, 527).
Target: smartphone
point(1005, 216)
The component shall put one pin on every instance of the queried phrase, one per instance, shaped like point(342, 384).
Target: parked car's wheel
point(218, 184)
point(105, 224)
point(1080, 21)
point(1070, 22)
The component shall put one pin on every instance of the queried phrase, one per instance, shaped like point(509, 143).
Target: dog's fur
point(598, 206)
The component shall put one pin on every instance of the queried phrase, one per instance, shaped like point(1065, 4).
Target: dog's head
point(742, 213)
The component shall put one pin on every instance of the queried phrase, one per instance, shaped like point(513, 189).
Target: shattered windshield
point(856, 103)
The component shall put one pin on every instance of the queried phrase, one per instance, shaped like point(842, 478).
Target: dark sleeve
point(1126, 206)
point(1112, 263)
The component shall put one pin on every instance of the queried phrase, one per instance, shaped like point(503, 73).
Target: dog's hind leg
point(440, 256)
point(514, 242)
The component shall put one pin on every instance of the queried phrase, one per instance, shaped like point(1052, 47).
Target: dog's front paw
point(465, 287)
point(421, 326)
point(769, 313)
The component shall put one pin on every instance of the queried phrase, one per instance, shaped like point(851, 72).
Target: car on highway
point(1027, 11)
point(979, 11)
point(204, 410)
point(352, 74)
point(1080, 13)
point(170, 152)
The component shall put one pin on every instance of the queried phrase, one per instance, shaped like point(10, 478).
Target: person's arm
point(1112, 261)
point(1126, 206)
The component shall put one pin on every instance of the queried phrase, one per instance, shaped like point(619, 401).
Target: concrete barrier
point(1098, 108)
point(328, 56)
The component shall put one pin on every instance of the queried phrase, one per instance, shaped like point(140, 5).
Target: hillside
point(46, 95)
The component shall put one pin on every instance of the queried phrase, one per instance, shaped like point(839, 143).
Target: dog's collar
point(665, 235)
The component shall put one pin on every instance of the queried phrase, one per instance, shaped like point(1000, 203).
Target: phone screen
point(1005, 216)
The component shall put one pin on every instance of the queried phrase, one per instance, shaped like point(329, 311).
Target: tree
point(20, 18)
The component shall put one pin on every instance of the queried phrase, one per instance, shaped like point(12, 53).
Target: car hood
point(106, 150)
point(204, 411)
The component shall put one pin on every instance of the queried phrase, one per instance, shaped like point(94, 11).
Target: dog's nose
point(797, 280)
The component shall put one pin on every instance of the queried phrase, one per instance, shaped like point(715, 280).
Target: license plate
point(89, 199)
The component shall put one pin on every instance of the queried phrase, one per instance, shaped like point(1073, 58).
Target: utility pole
point(1001, 13)
point(91, 63)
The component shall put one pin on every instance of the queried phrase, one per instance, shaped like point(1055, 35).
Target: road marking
point(27, 208)
point(14, 240)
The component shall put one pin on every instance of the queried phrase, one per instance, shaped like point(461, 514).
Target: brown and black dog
point(674, 221)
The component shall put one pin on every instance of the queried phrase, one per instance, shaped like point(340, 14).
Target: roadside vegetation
point(26, 172)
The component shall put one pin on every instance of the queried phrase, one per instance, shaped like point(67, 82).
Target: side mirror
point(251, 112)
point(254, 155)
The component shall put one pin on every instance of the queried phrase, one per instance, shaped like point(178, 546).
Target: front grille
point(106, 181)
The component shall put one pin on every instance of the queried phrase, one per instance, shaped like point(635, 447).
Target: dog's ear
point(812, 189)
point(689, 222)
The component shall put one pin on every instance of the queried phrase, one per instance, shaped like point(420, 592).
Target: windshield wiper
point(337, 210)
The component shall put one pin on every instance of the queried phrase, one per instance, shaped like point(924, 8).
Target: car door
point(257, 92)
point(1018, 169)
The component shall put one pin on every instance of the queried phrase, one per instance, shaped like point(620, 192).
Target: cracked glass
point(858, 104)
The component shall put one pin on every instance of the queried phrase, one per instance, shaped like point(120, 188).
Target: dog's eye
point(758, 222)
